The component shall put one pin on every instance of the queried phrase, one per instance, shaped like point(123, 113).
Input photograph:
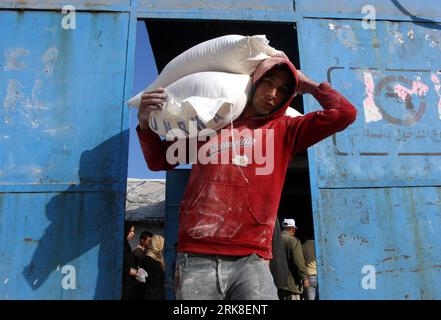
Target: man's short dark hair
point(145, 234)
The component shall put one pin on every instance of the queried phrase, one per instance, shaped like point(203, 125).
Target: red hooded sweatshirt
point(230, 209)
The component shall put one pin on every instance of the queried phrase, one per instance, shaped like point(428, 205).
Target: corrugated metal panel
point(111, 5)
point(392, 75)
point(375, 186)
point(273, 5)
point(392, 10)
point(394, 230)
point(63, 143)
point(52, 110)
point(274, 10)
point(44, 235)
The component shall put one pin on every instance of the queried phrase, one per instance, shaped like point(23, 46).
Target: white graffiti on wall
point(17, 99)
point(12, 58)
point(437, 85)
point(418, 88)
point(410, 93)
point(371, 112)
point(345, 35)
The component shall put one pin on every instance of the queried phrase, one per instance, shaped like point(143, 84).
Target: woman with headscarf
point(154, 264)
point(129, 268)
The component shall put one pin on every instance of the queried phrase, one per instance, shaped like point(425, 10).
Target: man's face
point(145, 242)
point(271, 91)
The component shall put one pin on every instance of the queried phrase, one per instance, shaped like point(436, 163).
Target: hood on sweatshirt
point(262, 69)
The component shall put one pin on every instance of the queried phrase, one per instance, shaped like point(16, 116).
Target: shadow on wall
point(85, 230)
point(422, 22)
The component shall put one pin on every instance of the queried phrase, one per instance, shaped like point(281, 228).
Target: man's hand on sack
point(305, 85)
point(150, 101)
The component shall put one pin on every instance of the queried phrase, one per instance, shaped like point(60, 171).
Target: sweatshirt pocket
point(220, 211)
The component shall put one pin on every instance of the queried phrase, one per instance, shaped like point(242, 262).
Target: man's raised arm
point(313, 127)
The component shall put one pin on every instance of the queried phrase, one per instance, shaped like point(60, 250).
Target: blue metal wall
point(376, 186)
point(175, 187)
point(63, 158)
point(273, 10)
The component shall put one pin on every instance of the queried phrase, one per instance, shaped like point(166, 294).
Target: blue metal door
point(63, 154)
point(176, 182)
point(376, 186)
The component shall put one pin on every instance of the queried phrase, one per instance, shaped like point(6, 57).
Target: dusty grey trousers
point(213, 277)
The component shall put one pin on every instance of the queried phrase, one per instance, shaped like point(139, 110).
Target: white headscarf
point(155, 249)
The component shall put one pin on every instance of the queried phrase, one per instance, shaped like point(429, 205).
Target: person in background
point(153, 263)
point(297, 279)
point(278, 264)
point(311, 268)
point(144, 241)
point(129, 270)
point(140, 251)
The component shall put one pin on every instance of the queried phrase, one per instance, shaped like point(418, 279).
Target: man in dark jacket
point(228, 211)
point(297, 279)
point(138, 254)
point(278, 264)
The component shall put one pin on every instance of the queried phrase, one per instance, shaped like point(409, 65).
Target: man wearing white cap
point(297, 279)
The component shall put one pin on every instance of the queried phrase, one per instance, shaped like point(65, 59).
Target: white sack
point(231, 53)
point(211, 99)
